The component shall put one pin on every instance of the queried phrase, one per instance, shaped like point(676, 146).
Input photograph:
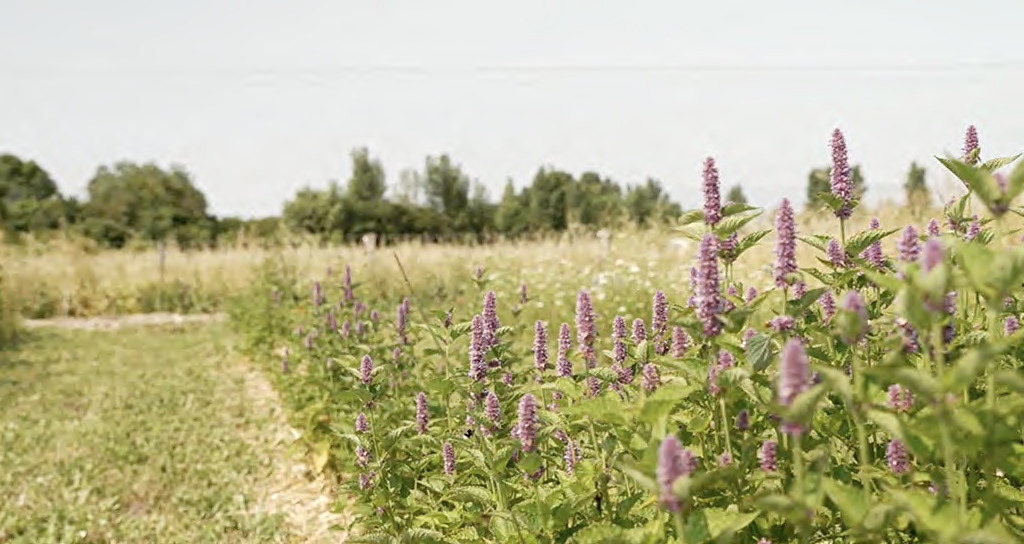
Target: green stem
point(945, 424)
point(842, 231)
point(725, 425)
point(864, 452)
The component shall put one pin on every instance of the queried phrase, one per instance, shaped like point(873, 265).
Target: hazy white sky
point(260, 98)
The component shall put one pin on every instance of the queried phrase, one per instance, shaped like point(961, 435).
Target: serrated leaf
point(761, 350)
point(729, 225)
point(475, 494)
point(849, 500)
point(690, 217)
point(733, 208)
point(817, 241)
point(860, 241)
point(995, 164)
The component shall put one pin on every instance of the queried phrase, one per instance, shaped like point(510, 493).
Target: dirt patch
point(118, 321)
point(292, 490)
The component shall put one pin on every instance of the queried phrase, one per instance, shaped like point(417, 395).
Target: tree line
point(143, 202)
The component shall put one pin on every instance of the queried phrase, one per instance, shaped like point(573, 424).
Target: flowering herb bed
point(870, 398)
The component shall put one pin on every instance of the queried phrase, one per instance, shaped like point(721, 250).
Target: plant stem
point(944, 423)
point(842, 231)
point(864, 452)
point(725, 425)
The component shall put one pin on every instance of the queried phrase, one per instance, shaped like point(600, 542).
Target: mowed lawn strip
point(133, 435)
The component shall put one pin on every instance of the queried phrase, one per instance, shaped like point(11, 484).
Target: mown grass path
point(143, 434)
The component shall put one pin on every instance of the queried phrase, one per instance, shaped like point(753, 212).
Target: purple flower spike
point(619, 339)
point(491, 323)
point(840, 175)
point(421, 412)
point(712, 200)
point(896, 455)
point(586, 329)
point(366, 480)
point(680, 342)
point(933, 228)
point(828, 305)
point(492, 408)
point(651, 380)
point(540, 346)
point(1010, 325)
point(769, 462)
point(835, 252)
point(477, 350)
point(900, 399)
point(973, 230)
point(366, 369)
point(523, 298)
point(785, 244)
point(743, 420)
point(747, 335)
point(932, 255)
point(527, 425)
point(751, 294)
point(563, 365)
point(362, 425)
point(448, 455)
point(659, 314)
point(346, 328)
point(572, 454)
point(639, 331)
point(709, 299)
point(873, 253)
point(908, 246)
point(401, 317)
point(971, 145)
point(674, 462)
point(855, 317)
point(725, 459)
point(793, 371)
point(782, 323)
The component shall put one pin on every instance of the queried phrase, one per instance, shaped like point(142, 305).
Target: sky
point(258, 99)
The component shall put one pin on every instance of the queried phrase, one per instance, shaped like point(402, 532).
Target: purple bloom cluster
point(840, 175)
point(785, 244)
point(1010, 325)
point(908, 246)
point(828, 305)
point(540, 346)
point(900, 399)
point(347, 284)
point(563, 365)
point(639, 331)
point(971, 145)
point(873, 253)
point(751, 294)
point(619, 339)
point(366, 369)
point(743, 420)
point(401, 320)
point(782, 323)
point(680, 342)
point(448, 455)
point(492, 409)
point(586, 328)
point(932, 255)
point(477, 350)
point(896, 456)
point(933, 228)
point(527, 424)
point(709, 299)
point(651, 380)
point(523, 298)
point(793, 371)
point(491, 322)
point(421, 412)
point(767, 455)
point(362, 425)
point(674, 462)
point(725, 361)
point(836, 254)
point(712, 200)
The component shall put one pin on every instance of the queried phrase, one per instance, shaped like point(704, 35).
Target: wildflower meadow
point(872, 393)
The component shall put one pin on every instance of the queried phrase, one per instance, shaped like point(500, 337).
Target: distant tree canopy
point(916, 189)
point(735, 195)
point(29, 198)
point(145, 200)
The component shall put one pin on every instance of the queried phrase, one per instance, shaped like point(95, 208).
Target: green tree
point(549, 200)
point(446, 189)
point(511, 216)
point(367, 183)
point(146, 201)
point(735, 195)
point(916, 189)
point(648, 202)
point(29, 198)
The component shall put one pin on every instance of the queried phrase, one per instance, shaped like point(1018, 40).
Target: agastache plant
point(712, 199)
point(709, 299)
point(586, 329)
point(840, 176)
point(563, 365)
point(785, 245)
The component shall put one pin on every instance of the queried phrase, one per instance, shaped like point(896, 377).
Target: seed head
point(932, 255)
point(491, 322)
point(828, 305)
point(1010, 325)
point(751, 294)
point(743, 420)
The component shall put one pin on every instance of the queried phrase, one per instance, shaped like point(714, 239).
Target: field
point(562, 390)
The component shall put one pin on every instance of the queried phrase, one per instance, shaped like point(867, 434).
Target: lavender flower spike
point(932, 255)
point(639, 331)
point(793, 371)
point(1010, 325)
point(680, 342)
point(448, 455)
point(971, 145)
point(674, 462)
point(712, 200)
point(540, 346)
point(933, 228)
point(619, 339)
point(366, 369)
point(896, 455)
point(421, 412)
point(709, 300)
point(563, 365)
point(785, 244)
point(586, 329)
point(659, 314)
point(836, 254)
point(908, 246)
point(840, 175)
point(768, 457)
point(651, 380)
point(491, 407)
point(491, 323)
point(477, 350)
point(527, 425)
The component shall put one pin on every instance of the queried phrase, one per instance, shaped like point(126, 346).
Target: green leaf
point(664, 399)
point(761, 351)
point(733, 208)
point(817, 241)
point(642, 479)
point(716, 523)
point(979, 181)
point(860, 241)
point(475, 494)
point(995, 164)
point(690, 217)
point(849, 500)
point(729, 225)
